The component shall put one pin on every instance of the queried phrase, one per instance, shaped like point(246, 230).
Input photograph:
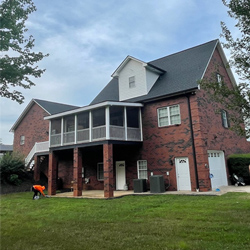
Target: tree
point(237, 99)
point(17, 61)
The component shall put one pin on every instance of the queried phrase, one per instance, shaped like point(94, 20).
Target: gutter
point(193, 146)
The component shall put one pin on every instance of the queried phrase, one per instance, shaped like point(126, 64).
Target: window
point(169, 116)
point(22, 140)
point(100, 171)
point(142, 169)
point(224, 118)
point(131, 82)
point(219, 79)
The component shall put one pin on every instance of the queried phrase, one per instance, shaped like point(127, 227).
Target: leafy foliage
point(11, 167)
point(18, 61)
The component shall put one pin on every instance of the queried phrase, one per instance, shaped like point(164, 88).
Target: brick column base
point(77, 172)
point(108, 170)
point(52, 174)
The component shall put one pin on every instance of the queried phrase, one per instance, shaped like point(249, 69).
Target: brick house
point(31, 131)
point(150, 119)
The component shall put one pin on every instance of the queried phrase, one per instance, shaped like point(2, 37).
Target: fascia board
point(91, 107)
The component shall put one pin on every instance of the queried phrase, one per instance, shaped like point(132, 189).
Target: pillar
point(77, 172)
point(108, 170)
point(52, 173)
point(36, 168)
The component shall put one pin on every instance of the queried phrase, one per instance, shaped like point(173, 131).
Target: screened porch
point(105, 121)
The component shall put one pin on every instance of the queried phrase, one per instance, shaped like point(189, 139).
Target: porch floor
point(99, 194)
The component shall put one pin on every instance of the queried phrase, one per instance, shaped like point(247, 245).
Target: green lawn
point(132, 222)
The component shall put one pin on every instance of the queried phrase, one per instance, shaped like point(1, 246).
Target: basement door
point(217, 167)
point(182, 173)
point(120, 175)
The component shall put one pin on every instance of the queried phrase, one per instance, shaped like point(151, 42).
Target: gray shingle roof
point(50, 107)
point(183, 70)
point(53, 107)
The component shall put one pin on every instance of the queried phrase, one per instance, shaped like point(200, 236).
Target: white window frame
point(98, 171)
point(224, 118)
point(22, 140)
point(219, 79)
point(131, 82)
point(145, 170)
point(168, 115)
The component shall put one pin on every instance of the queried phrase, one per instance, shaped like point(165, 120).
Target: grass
point(132, 222)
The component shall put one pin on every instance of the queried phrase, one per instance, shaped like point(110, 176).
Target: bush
point(11, 166)
point(239, 164)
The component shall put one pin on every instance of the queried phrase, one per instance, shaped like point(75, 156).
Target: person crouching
point(38, 189)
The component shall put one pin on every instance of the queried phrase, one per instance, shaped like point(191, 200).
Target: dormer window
point(131, 82)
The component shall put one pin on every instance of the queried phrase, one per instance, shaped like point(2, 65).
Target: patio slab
point(99, 194)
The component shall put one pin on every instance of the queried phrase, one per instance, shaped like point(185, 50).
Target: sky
point(88, 39)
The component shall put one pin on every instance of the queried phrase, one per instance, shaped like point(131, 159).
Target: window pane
point(100, 171)
point(142, 170)
point(163, 122)
point(163, 112)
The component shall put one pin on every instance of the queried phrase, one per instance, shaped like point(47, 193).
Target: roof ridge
point(54, 102)
point(183, 50)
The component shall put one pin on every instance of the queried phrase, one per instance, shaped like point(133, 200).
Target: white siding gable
point(136, 69)
point(135, 78)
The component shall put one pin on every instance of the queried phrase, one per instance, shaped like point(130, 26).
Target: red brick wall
point(33, 127)
point(162, 145)
point(215, 136)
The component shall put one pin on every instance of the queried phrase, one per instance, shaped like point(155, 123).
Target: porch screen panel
point(69, 129)
point(55, 135)
point(83, 127)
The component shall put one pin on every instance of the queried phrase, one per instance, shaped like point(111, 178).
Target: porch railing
point(97, 134)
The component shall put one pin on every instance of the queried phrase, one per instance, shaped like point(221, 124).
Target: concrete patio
point(99, 194)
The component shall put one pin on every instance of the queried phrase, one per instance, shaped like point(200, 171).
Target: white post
point(90, 126)
point(49, 132)
point(140, 119)
point(62, 131)
point(125, 123)
point(107, 122)
point(75, 129)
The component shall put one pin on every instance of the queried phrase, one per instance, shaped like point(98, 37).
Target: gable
point(48, 107)
point(177, 73)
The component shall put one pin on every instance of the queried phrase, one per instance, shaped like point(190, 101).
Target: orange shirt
point(39, 188)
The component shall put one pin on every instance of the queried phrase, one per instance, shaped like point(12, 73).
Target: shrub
point(11, 166)
point(239, 164)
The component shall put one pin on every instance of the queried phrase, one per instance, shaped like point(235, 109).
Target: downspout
point(193, 146)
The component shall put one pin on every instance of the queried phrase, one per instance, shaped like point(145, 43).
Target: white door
point(182, 173)
point(217, 167)
point(120, 175)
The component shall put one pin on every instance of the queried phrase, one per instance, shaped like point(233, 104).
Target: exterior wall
point(33, 127)
point(162, 145)
point(209, 132)
point(215, 135)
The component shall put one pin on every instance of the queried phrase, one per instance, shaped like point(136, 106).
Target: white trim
point(90, 107)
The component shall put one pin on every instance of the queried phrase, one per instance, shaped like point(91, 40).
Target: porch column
point(36, 168)
point(108, 171)
point(77, 172)
point(52, 174)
